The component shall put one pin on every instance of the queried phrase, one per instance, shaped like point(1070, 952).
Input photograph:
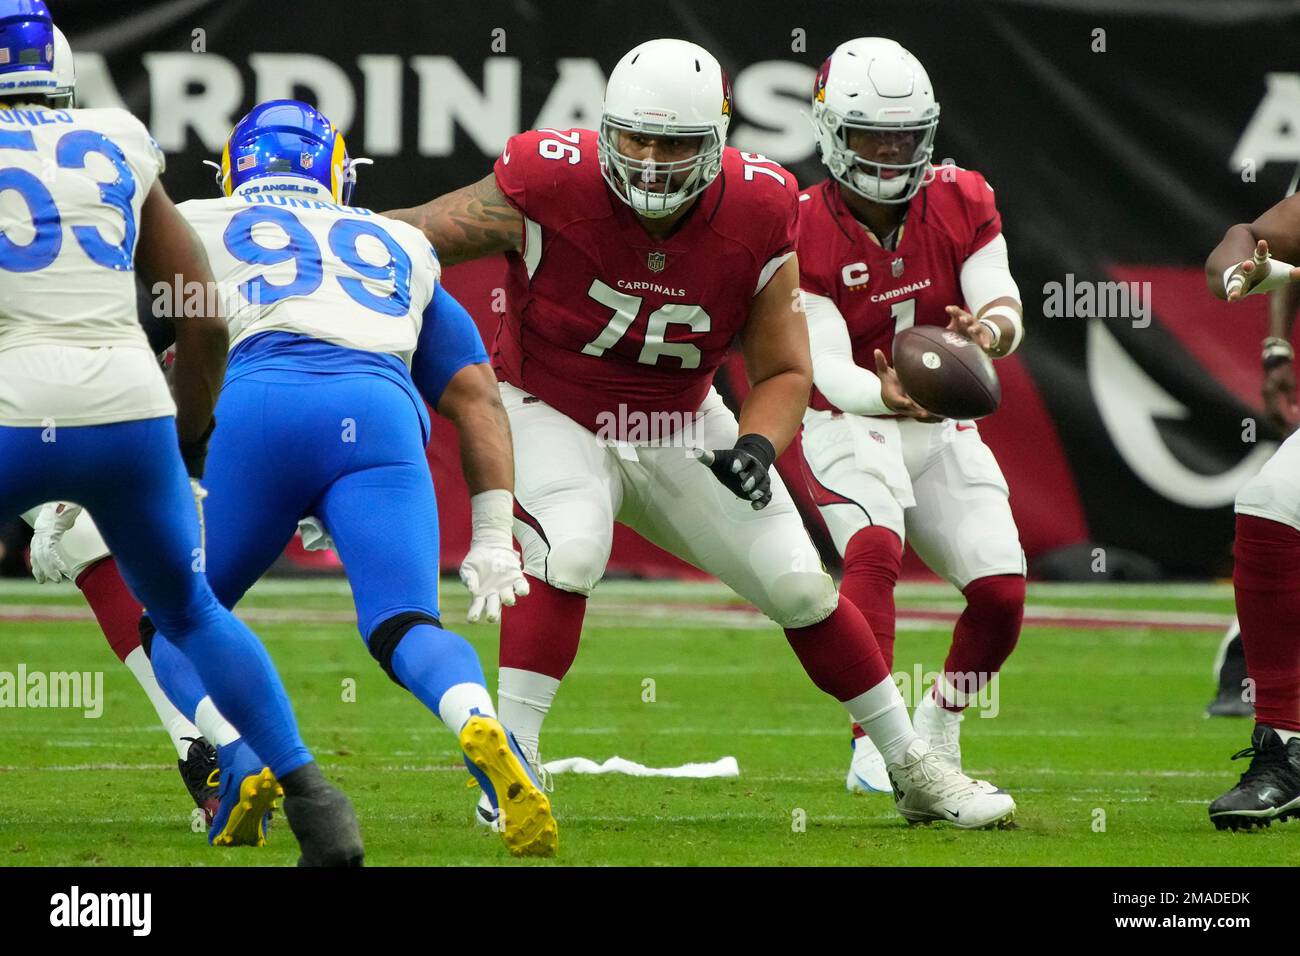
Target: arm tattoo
point(468, 223)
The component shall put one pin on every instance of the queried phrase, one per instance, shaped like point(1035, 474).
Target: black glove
point(744, 469)
point(195, 453)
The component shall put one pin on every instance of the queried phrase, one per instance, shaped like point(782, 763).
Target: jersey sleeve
point(449, 341)
point(525, 176)
point(781, 236)
point(983, 220)
point(812, 250)
point(144, 152)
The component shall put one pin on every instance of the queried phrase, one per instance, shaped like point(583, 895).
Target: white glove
point(491, 570)
point(315, 536)
point(55, 519)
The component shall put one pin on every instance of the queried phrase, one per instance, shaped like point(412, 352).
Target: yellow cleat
point(259, 794)
point(530, 828)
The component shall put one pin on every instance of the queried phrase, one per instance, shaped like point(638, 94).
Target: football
point(946, 373)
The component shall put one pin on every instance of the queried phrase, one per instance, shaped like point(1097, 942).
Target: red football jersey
point(599, 314)
point(879, 292)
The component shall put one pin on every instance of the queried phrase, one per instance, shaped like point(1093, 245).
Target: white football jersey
point(287, 261)
point(71, 348)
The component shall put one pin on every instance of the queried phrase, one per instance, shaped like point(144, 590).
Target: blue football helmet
point(286, 138)
point(26, 49)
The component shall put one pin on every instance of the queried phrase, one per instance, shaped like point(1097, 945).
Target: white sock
point(459, 701)
point(930, 701)
point(1286, 734)
point(525, 698)
point(943, 690)
point(216, 728)
point(883, 715)
point(173, 721)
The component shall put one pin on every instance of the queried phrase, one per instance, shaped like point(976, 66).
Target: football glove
point(492, 571)
point(54, 520)
point(744, 468)
point(315, 536)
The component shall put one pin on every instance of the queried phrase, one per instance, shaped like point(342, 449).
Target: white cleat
point(867, 773)
point(927, 790)
point(941, 730)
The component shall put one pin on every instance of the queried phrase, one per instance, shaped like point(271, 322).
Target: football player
point(331, 302)
point(1283, 413)
point(888, 242)
point(59, 552)
point(85, 414)
point(1255, 258)
point(637, 253)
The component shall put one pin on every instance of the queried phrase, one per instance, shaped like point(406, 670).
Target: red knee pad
point(872, 562)
point(839, 653)
point(114, 606)
point(986, 633)
point(541, 632)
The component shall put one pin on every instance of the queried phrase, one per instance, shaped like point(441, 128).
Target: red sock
point(871, 565)
point(985, 635)
point(1267, 583)
point(114, 606)
point(840, 653)
point(541, 632)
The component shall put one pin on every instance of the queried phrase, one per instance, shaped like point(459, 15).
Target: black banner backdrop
point(1122, 139)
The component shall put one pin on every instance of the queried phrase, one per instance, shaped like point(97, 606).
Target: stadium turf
point(1099, 736)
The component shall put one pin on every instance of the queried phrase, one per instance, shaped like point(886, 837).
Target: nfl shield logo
point(305, 160)
point(896, 268)
point(655, 261)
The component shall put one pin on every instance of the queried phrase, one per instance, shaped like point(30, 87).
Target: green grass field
point(1094, 725)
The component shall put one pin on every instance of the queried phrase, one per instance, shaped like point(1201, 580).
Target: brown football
point(946, 373)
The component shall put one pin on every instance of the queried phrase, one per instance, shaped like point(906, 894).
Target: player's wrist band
point(1276, 352)
point(995, 331)
point(195, 453)
point(758, 446)
point(1017, 326)
point(492, 517)
point(1279, 274)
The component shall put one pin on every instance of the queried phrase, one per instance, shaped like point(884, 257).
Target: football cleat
point(1269, 789)
point(1230, 672)
point(941, 731)
point(326, 827)
point(926, 790)
point(486, 813)
point(509, 784)
point(201, 774)
point(247, 793)
point(867, 772)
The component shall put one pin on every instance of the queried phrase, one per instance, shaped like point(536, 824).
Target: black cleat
point(200, 772)
point(1230, 669)
point(1269, 789)
point(326, 827)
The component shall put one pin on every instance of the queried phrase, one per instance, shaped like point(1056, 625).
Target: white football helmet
point(873, 84)
point(64, 96)
point(665, 88)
